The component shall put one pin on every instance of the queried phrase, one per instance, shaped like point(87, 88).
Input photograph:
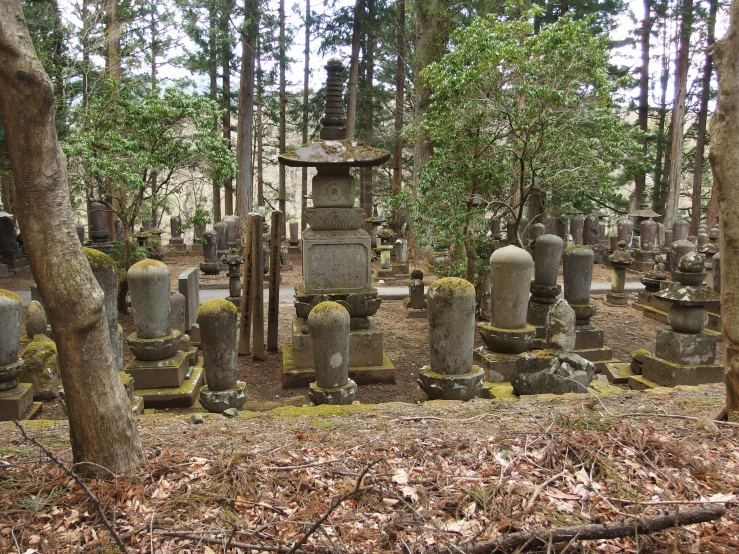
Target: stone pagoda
point(336, 250)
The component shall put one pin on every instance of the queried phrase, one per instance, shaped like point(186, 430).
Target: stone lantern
point(233, 261)
point(620, 260)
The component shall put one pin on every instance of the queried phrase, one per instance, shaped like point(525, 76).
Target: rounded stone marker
point(106, 274)
point(36, 321)
point(679, 249)
point(548, 255)
point(10, 326)
point(219, 321)
point(328, 325)
point(510, 270)
point(148, 284)
point(578, 276)
point(625, 231)
point(680, 230)
point(451, 314)
point(648, 235)
point(177, 308)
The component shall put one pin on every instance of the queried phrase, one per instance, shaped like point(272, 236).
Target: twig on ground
point(333, 506)
point(672, 502)
point(303, 466)
point(540, 488)
point(600, 531)
point(234, 544)
point(77, 479)
point(674, 416)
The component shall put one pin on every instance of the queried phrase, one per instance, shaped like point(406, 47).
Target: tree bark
point(399, 100)
point(306, 76)
point(646, 31)
point(283, 106)
point(259, 134)
point(724, 159)
point(228, 189)
point(273, 307)
point(366, 174)
point(678, 116)
point(113, 68)
point(351, 110)
point(213, 74)
point(102, 428)
point(245, 131)
point(658, 197)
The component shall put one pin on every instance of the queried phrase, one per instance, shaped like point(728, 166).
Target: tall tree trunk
point(432, 32)
point(113, 68)
point(245, 131)
point(645, 34)
point(306, 75)
point(724, 159)
point(366, 174)
point(283, 107)
point(351, 110)
point(102, 428)
point(226, 56)
point(678, 115)
point(213, 74)
point(658, 198)
point(700, 144)
point(399, 100)
point(260, 128)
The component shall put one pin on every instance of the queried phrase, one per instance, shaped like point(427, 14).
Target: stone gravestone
point(451, 314)
point(577, 225)
point(16, 399)
point(328, 324)
point(400, 267)
point(99, 233)
point(625, 231)
point(40, 362)
point(160, 369)
point(106, 274)
point(294, 240)
point(685, 354)
point(416, 302)
point(620, 260)
point(680, 230)
point(233, 234)
point(211, 265)
point(544, 287)
point(189, 287)
point(678, 250)
point(10, 254)
point(176, 241)
point(219, 322)
point(221, 230)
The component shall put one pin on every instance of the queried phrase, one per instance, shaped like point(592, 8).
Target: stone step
point(180, 397)
point(618, 373)
point(639, 382)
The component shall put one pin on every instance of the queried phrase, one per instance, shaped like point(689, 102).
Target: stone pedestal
point(386, 269)
point(415, 304)
point(16, 399)
point(544, 288)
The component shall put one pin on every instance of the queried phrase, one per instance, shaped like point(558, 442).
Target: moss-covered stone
point(215, 306)
point(10, 296)
point(41, 368)
point(97, 258)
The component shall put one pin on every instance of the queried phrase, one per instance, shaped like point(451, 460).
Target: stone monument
point(211, 265)
point(451, 314)
point(336, 250)
point(685, 354)
point(294, 240)
point(40, 361)
point(508, 333)
point(415, 304)
point(233, 233)
point(219, 322)
point(11, 255)
point(222, 231)
point(233, 261)
point(577, 225)
point(680, 230)
point(16, 399)
point(592, 237)
point(620, 261)
point(544, 287)
point(160, 370)
point(176, 241)
point(99, 233)
point(400, 267)
point(328, 324)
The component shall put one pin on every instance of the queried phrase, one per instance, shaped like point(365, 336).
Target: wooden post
point(257, 249)
point(273, 310)
point(247, 297)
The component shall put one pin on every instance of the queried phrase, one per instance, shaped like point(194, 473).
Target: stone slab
point(336, 261)
point(684, 348)
point(137, 405)
point(498, 367)
point(668, 374)
point(619, 373)
point(411, 313)
point(588, 337)
point(362, 375)
point(17, 402)
point(365, 346)
point(168, 373)
point(36, 409)
point(189, 287)
point(196, 248)
point(639, 382)
point(176, 397)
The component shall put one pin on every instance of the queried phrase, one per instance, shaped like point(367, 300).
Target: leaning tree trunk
point(102, 428)
point(724, 159)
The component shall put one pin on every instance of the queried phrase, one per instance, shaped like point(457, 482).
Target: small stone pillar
point(233, 261)
point(660, 236)
point(400, 267)
point(667, 243)
point(98, 231)
point(233, 234)
point(177, 322)
point(451, 314)
point(294, 239)
point(577, 225)
point(328, 324)
point(535, 231)
point(620, 260)
point(80, 232)
point(16, 398)
point(544, 287)
point(211, 265)
point(562, 227)
point(386, 269)
point(175, 227)
point(106, 274)
point(679, 249)
point(592, 237)
point(685, 354)
point(160, 370)
point(578, 277)
point(219, 322)
point(680, 230)
point(221, 230)
point(648, 235)
point(416, 302)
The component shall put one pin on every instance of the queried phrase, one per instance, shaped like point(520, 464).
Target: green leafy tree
point(126, 139)
point(513, 114)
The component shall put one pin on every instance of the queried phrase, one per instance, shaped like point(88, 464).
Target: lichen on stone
point(216, 306)
point(10, 295)
point(97, 258)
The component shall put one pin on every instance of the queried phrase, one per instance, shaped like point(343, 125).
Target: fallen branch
point(303, 466)
point(77, 479)
point(221, 541)
point(333, 506)
point(673, 416)
point(598, 531)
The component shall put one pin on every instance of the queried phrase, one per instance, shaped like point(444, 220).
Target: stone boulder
point(564, 372)
point(41, 368)
point(560, 326)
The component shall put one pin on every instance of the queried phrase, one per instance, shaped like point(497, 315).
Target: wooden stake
point(273, 310)
point(257, 248)
point(247, 298)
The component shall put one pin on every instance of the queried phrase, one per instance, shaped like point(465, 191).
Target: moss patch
point(212, 308)
point(11, 296)
point(97, 259)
